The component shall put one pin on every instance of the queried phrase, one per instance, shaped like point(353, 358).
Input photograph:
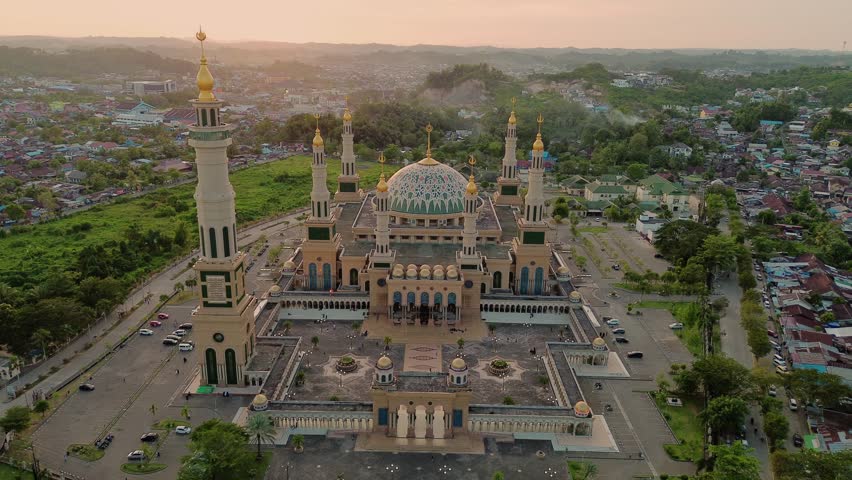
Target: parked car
point(621, 340)
point(782, 369)
point(794, 405)
point(185, 347)
point(183, 430)
point(150, 437)
point(163, 316)
point(179, 333)
point(136, 456)
point(773, 391)
point(658, 255)
point(170, 341)
point(613, 322)
point(674, 402)
point(145, 332)
point(779, 363)
point(676, 326)
point(772, 333)
point(635, 354)
point(616, 267)
point(798, 441)
point(185, 326)
point(87, 387)
point(155, 323)
point(618, 331)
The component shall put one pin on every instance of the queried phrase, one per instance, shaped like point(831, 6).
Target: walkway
point(422, 358)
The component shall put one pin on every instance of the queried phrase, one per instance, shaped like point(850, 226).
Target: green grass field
point(11, 473)
point(262, 191)
point(686, 426)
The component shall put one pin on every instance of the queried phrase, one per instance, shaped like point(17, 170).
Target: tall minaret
point(534, 201)
point(532, 254)
point(381, 208)
point(320, 248)
point(508, 184)
point(224, 324)
point(347, 181)
point(469, 233)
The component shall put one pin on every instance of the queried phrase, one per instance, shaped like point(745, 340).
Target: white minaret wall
point(319, 174)
point(469, 233)
point(382, 220)
point(534, 201)
point(347, 158)
point(510, 161)
point(214, 195)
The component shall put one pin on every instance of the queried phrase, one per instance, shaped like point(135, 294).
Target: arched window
point(203, 117)
point(424, 299)
point(326, 276)
point(213, 252)
point(439, 298)
point(212, 374)
point(312, 276)
point(451, 298)
point(411, 298)
point(227, 241)
point(539, 281)
point(231, 366)
point(203, 243)
point(482, 287)
point(397, 297)
point(353, 276)
point(525, 281)
point(497, 282)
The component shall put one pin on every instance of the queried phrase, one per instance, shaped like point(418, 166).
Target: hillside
point(463, 85)
point(31, 61)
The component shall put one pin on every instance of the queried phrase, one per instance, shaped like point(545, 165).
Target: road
point(109, 331)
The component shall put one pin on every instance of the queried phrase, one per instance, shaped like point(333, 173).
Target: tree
point(15, 212)
point(315, 341)
point(767, 217)
point(387, 342)
point(776, 427)
point(715, 375)
point(41, 406)
point(719, 253)
point(498, 475)
point(261, 428)
point(218, 451)
point(681, 239)
point(580, 261)
point(810, 385)
point(298, 442)
point(637, 171)
point(811, 464)
point(184, 412)
point(725, 414)
point(16, 419)
point(587, 471)
point(181, 234)
point(714, 209)
point(460, 343)
point(735, 462)
point(42, 336)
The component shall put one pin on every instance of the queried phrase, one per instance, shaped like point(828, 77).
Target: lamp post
point(445, 470)
point(392, 469)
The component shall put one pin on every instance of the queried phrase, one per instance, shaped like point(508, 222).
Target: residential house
point(76, 177)
point(680, 150)
point(657, 189)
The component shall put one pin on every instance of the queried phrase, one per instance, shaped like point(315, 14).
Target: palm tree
point(388, 341)
point(287, 326)
point(587, 472)
point(315, 341)
point(261, 428)
point(298, 443)
point(42, 336)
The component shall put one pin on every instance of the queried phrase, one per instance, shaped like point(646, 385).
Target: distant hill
point(463, 85)
point(31, 61)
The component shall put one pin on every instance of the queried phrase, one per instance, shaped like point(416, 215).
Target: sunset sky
point(815, 24)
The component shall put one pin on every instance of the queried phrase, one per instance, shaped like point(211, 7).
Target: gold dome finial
point(204, 79)
point(538, 145)
point(317, 137)
point(512, 119)
point(382, 186)
point(429, 140)
point(471, 184)
point(347, 117)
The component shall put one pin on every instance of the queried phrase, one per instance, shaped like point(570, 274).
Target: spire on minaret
point(469, 232)
point(347, 182)
point(534, 201)
point(508, 184)
point(204, 79)
point(319, 191)
point(380, 206)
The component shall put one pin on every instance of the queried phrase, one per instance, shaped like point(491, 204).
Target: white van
point(779, 363)
point(778, 357)
point(185, 347)
point(793, 405)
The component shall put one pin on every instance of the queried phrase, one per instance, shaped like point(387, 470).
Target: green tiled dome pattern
point(427, 190)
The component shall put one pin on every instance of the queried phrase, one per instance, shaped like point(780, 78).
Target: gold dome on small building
point(318, 138)
point(384, 362)
point(599, 342)
point(458, 364)
point(581, 409)
point(260, 403)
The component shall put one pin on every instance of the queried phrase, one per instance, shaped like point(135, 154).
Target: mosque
point(425, 252)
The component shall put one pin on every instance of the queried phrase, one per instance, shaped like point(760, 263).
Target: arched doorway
point(525, 281)
point(539, 281)
point(497, 282)
point(210, 363)
point(312, 276)
point(353, 276)
point(231, 366)
point(326, 277)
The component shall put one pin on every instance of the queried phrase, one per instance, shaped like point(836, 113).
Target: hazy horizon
point(627, 24)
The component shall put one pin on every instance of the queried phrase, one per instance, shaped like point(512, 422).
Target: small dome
point(438, 267)
point(538, 145)
point(412, 273)
point(289, 265)
point(458, 364)
point(260, 399)
point(563, 270)
point(599, 342)
point(575, 296)
point(318, 138)
point(425, 273)
point(438, 275)
point(581, 409)
point(274, 289)
point(398, 273)
point(399, 266)
point(384, 362)
point(451, 274)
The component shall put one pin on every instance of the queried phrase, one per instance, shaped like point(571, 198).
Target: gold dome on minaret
point(318, 138)
point(512, 119)
point(382, 186)
point(347, 117)
point(471, 186)
point(204, 79)
point(538, 145)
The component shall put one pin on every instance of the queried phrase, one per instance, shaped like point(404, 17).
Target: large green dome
point(427, 187)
